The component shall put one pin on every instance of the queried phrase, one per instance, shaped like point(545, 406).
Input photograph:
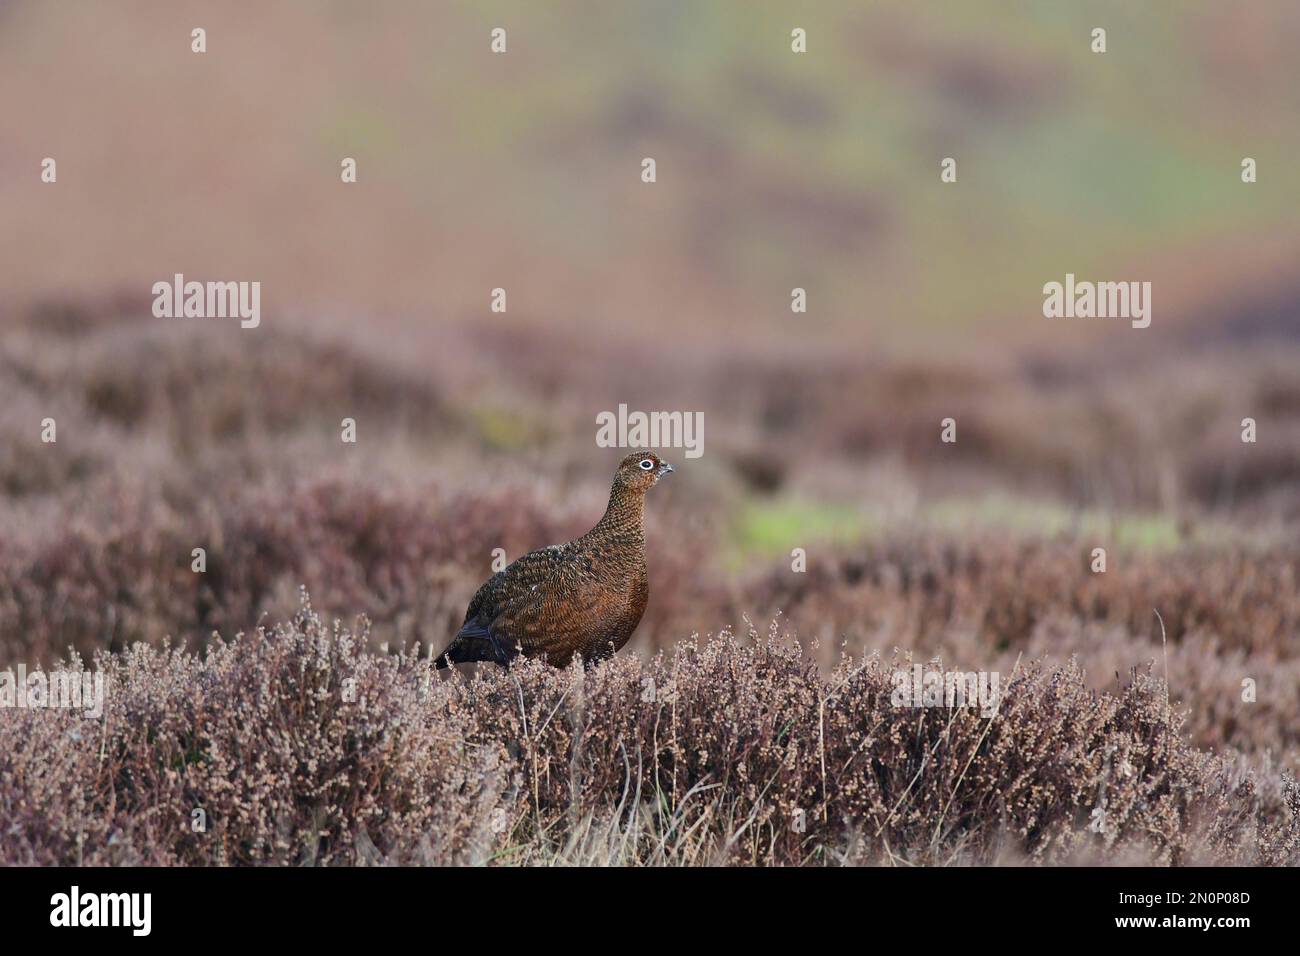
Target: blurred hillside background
point(775, 170)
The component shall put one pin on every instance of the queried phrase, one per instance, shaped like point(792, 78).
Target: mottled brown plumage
point(585, 597)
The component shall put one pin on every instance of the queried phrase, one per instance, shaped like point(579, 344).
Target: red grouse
point(585, 597)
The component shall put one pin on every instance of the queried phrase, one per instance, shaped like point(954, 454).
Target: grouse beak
point(665, 469)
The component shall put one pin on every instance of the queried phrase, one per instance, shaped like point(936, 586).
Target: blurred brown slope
point(777, 170)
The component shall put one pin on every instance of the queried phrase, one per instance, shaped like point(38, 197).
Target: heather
point(409, 562)
point(1124, 736)
point(298, 747)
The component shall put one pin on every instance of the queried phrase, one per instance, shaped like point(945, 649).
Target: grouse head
point(640, 471)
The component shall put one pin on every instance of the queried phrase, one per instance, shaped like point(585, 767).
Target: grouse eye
point(647, 463)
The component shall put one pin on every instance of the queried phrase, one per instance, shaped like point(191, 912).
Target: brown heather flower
point(300, 747)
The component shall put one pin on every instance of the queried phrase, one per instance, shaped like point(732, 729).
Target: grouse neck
point(624, 512)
